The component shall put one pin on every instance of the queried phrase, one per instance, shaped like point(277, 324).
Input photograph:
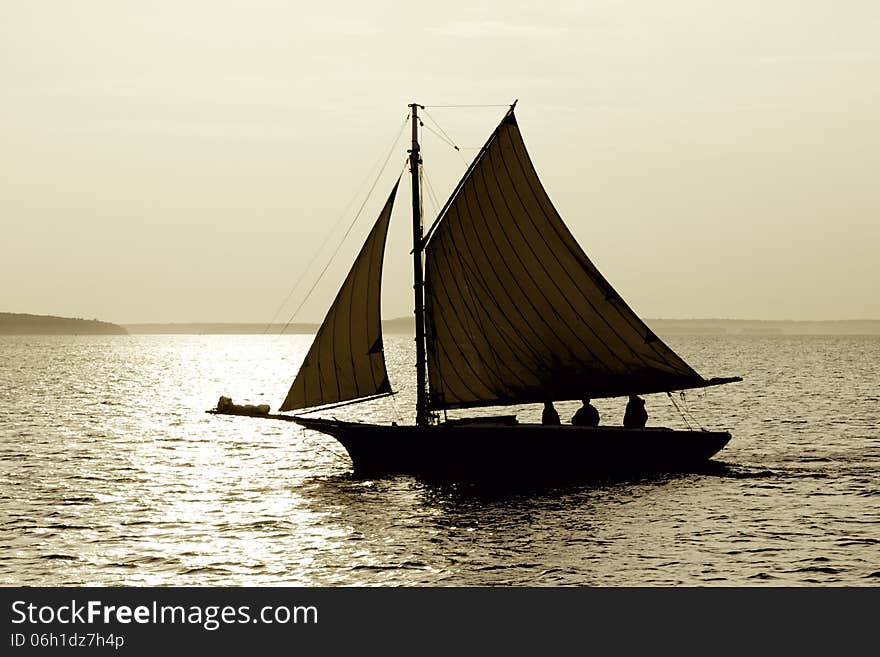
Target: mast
point(415, 160)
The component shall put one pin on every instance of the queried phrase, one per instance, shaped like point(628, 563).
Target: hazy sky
point(184, 160)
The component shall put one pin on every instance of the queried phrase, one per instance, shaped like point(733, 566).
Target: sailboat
point(509, 310)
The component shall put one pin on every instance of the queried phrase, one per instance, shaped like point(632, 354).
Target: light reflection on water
point(111, 473)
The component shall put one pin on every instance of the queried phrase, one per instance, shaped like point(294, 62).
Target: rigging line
point(326, 449)
point(440, 136)
point(347, 402)
point(464, 178)
point(339, 246)
point(431, 193)
point(448, 139)
point(445, 134)
point(683, 395)
point(442, 133)
point(683, 417)
point(320, 249)
point(451, 106)
point(396, 410)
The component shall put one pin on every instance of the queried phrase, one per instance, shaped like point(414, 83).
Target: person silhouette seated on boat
point(549, 416)
point(586, 415)
point(635, 416)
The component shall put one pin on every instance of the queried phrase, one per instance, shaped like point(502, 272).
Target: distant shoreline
point(663, 327)
point(25, 324)
point(764, 327)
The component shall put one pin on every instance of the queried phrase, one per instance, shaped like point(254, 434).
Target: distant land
point(663, 327)
point(764, 327)
point(22, 324)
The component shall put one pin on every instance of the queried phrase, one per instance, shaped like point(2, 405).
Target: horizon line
point(410, 317)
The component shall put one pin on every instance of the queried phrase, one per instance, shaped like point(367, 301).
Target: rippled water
point(112, 474)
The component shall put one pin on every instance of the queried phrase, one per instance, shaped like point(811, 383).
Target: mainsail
point(515, 311)
point(346, 360)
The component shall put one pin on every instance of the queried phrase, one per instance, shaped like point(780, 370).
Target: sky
point(190, 160)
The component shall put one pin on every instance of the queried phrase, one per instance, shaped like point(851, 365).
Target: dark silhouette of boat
point(488, 449)
point(509, 310)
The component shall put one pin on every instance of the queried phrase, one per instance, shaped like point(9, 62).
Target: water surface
point(112, 474)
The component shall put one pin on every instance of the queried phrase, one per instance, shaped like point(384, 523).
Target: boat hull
point(481, 451)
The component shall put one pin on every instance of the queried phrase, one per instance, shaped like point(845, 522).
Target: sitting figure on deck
point(549, 416)
point(586, 415)
point(635, 416)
